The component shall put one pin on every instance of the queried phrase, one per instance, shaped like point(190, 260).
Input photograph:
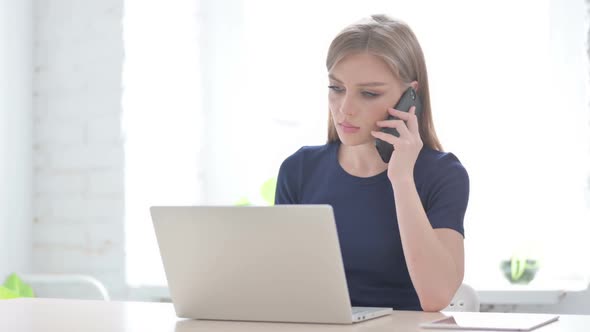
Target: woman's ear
point(415, 85)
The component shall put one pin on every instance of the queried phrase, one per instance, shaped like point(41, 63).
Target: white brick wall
point(78, 166)
point(16, 176)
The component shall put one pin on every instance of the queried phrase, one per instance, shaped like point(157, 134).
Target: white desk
point(49, 315)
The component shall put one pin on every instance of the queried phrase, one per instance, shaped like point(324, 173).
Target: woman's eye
point(335, 88)
point(370, 94)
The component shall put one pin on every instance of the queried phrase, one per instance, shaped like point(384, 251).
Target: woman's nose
point(347, 106)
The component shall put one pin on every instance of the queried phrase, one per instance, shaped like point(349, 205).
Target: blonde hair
point(395, 43)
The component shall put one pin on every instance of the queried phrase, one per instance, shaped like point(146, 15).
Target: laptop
point(256, 263)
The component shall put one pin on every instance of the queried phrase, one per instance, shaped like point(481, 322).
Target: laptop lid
point(277, 263)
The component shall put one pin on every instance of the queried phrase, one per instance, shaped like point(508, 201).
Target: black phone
point(408, 99)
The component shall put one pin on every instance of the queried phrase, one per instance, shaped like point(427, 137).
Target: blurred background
point(109, 107)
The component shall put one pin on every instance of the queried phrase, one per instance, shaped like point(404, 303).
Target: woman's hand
point(407, 145)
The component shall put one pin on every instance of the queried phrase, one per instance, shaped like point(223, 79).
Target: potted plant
point(14, 287)
point(519, 269)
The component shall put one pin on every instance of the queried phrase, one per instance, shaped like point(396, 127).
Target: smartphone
point(408, 99)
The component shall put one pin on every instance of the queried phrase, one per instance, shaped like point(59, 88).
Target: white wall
point(16, 45)
point(78, 167)
point(79, 212)
point(570, 26)
point(224, 73)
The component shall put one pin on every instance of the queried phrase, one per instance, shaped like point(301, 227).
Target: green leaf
point(13, 283)
point(268, 190)
point(6, 293)
point(243, 202)
point(16, 285)
point(27, 291)
point(517, 267)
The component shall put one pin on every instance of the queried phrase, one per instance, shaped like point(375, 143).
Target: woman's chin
point(355, 141)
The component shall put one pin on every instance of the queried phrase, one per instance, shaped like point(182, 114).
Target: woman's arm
point(435, 257)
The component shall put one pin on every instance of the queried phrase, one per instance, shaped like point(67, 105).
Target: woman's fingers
point(410, 118)
point(386, 137)
point(400, 125)
point(413, 121)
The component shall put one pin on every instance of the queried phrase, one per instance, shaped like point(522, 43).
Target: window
point(162, 123)
point(217, 96)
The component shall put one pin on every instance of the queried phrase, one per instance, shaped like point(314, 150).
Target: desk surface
point(35, 315)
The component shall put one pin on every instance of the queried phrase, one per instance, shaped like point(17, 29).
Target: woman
point(400, 223)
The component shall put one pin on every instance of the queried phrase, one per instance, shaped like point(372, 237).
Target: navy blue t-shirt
point(364, 209)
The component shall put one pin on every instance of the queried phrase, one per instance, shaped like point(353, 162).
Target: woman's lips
point(348, 128)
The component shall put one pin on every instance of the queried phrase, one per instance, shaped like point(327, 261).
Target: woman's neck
point(361, 160)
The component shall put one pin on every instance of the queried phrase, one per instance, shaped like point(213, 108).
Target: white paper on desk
point(487, 321)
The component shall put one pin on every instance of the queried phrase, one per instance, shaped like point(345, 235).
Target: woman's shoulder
point(432, 161)
point(310, 154)
point(435, 156)
point(295, 166)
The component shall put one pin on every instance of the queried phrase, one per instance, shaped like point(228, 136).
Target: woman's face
point(362, 88)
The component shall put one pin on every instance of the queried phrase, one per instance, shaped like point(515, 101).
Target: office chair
point(47, 285)
point(465, 299)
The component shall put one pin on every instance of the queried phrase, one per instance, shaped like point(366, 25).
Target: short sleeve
point(448, 196)
point(289, 180)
